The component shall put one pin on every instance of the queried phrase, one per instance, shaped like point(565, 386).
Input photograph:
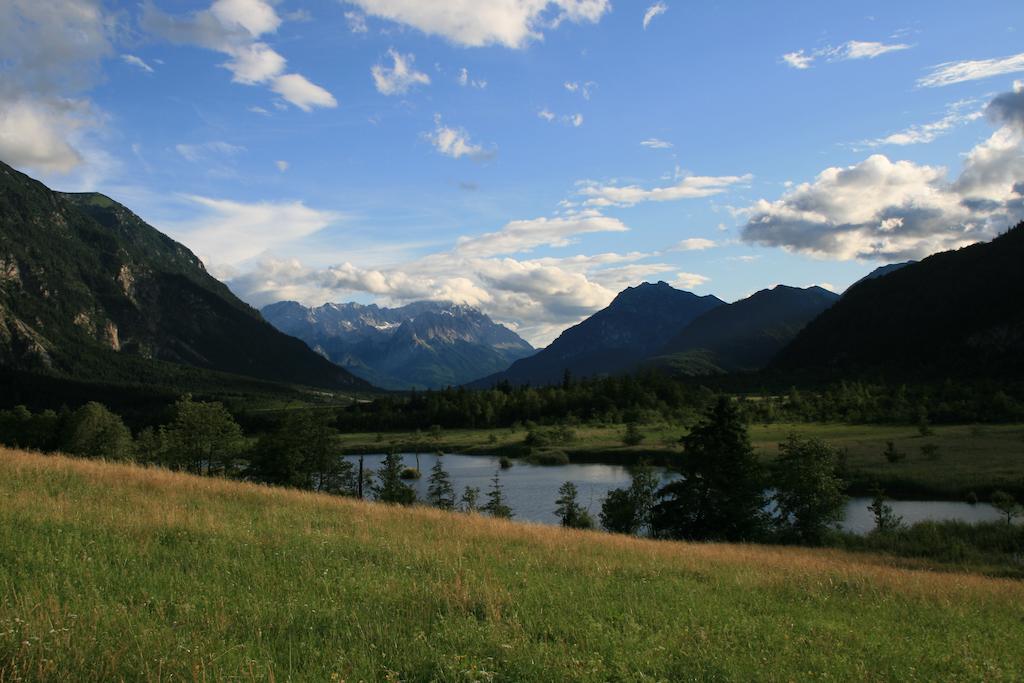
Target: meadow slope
point(117, 572)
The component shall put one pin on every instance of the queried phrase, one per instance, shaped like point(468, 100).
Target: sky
point(529, 157)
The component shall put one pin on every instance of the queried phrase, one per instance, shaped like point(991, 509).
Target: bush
point(410, 473)
point(549, 458)
point(95, 432)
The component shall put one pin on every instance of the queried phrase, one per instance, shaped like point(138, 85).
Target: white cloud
point(957, 114)
point(204, 150)
point(851, 49)
point(137, 62)
point(455, 142)
point(305, 95)
point(896, 210)
point(694, 244)
point(282, 166)
point(690, 187)
point(546, 114)
point(399, 77)
point(228, 233)
point(949, 73)
point(525, 235)
point(465, 81)
point(233, 28)
point(575, 120)
point(50, 52)
point(689, 280)
point(655, 143)
point(471, 23)
point(356, 22)
point(584, 89)
point(653, 11)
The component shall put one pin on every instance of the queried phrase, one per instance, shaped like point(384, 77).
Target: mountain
point(89, 291)
point(424, 344)
point(955, 314)
point(633, 327)
point(747, 334)
point(883, 270)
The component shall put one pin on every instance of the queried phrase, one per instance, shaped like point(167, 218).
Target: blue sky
point(530, 157)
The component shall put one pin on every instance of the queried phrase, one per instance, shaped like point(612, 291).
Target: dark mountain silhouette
point(633, 327)
point(90, 291)
point(424, 344)
point(954, 314)
point(744, 335)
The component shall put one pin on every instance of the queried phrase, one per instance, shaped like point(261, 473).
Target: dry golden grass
point(178, 576)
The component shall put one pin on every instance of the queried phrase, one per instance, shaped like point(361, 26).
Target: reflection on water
point(531, 490)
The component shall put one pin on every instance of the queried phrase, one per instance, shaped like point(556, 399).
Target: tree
point(633, 436)
point(891, 453)
point(440, 493)
point(496, 506)
point(94, 432)
point(720, 495)
point(470, 499)
point(808, 492)
point(150, 445)
point(628, 510)
point(1006, 504)
point(390, 488)
point(202, 434)
point(569, 511)
point(301, 452)
point(885, 519)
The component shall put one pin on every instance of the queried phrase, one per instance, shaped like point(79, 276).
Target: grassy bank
point(969, 458)
point(114, 572)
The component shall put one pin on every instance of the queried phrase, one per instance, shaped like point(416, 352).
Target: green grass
point(115, 572)
point(970, 458)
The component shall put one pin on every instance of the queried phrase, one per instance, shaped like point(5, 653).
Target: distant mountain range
point(89, 291)
point(954, 314)
point(744, 335)
point(424, 344)
point(635, 325)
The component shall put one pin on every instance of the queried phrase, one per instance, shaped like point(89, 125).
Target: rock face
point(88, 290)
point(425, 344)
point(635, 325)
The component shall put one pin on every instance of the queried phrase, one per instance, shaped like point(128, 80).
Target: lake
point(531, 490)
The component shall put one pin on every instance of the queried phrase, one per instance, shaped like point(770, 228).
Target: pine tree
point(496, 506)
point(440, 493)
point(470, 499)
point(808, 492)
point(885, 518)
point(721, 493)
point(390, 488)
point(569, 511)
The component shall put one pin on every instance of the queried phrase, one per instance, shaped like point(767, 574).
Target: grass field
point(115, 572)
point(969, 458)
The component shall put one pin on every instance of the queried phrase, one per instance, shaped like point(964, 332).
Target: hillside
point(954, 314)
point(91, 292)
point(424, 344)
point(634, 326)
point(126, 573)
point(744, 335)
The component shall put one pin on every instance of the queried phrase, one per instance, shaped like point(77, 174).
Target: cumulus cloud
point(234, 28)
point(897, 210)
point(949, 73)
point(689, 280)
point(281, 165)
point(471, 23)
point(584, 89)
point(50, 52)
point(400, 76)
point(957, 114)
point(690, 187)
point(546, 114)
point(455, 142)
point(694, 244)
point(136, 62)
point(653, 11)
point(852, 49)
